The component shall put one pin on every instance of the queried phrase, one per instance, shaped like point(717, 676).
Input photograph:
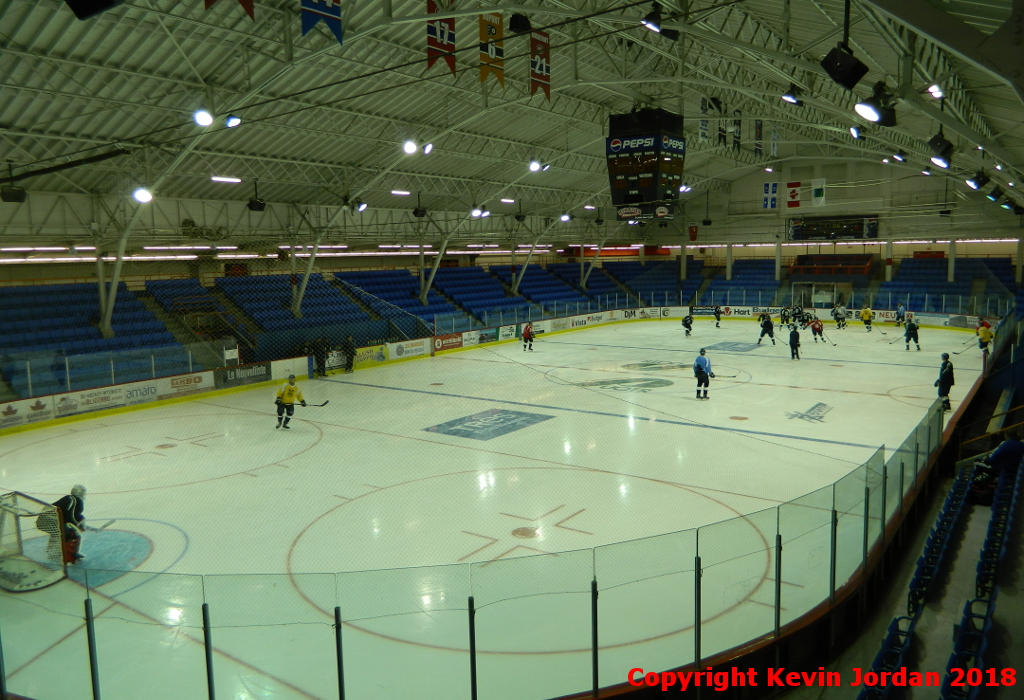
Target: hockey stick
point(961, 351)
point(104, 526)
point(969, 340)
point(726, 376)
point(828, 339)
point(318, 405)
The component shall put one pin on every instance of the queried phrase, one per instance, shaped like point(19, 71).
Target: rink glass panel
point(645, 603)
point(533, 625)
point(149, 634)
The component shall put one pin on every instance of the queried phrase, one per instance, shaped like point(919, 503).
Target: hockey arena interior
point(450, 350)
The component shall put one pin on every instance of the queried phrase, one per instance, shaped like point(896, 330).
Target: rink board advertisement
point(26, 411)
point(450, 341)
point(371, 356)
point(240, 375)
point(470, 338)
point(507, 333)
point(408, 348)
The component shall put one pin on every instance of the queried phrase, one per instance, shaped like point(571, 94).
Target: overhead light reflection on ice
point(631, 422)
point(173, 615)
point(486, 480)
point(567, 448)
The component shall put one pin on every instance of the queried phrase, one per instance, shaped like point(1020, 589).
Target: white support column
point(101, 280)
point(297, 303)
point(643, 257)
point(951, 262)
point(422, 276)
point(728, 262)
point(590, 268)
point(778, 261)
point(888, 261)
point(1020, 259)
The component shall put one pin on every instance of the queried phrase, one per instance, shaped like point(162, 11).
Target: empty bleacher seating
point(600, 287)
point(543, 288)
point(51, 331)
point(658, 283)
point(394, 293)
point(753, 283)
point(267, 299)
point(478, 292)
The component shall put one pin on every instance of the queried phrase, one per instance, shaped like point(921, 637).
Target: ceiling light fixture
point(219, 178)
point(400, 193)
point(942, 148)
point(857, 133)
point(1007, 203)
point(508, 201)
point(684, 187)
point(142, 195)
point(231, 121)
point(361, 206)
point(410, 147)
point(879, 107)
point(995, 194)
point(202, 117)
point(768, 169)
point(652, 20)
point(565, 217)
point(935, 91)
point(926, 171)
point(534, 166)
point(978, 180)
point(590, 207)
point(427, 148)
point(476, 212)
point(900, 156)
point(792, 95)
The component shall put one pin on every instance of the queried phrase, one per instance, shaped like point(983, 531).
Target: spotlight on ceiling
point(843, 68)
point(519, 24)
point(900, 156)
point(926, 171)
point(999, 167)
point(885, 160)
point(1007, 203)
point(978, 180)
point(427, 148)
point(544, 167)
point(476, 212)
point(142, 195)
point(534, 166)
point(792, 95)
point(769, 169)
point(879, 107)
point(410, 146)
point(935, 91)
point(995, 194)
point(565, 217)
point(231, 121)
point(203, 118)
point(857, 133)
point(361, 206)
point(652, 20)
point(684, 187)
point(942, 148)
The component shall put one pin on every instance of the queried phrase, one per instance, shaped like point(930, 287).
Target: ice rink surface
point(460, 463)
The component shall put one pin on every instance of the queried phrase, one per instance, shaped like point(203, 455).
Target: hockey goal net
point(31, 543)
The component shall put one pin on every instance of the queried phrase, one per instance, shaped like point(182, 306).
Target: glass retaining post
point(67, 373)
point(943, 303)
point(28, 375)
point(744, 296)
point(593, 633)
point(696, 611)
point(472, 649)
point(959, 304)
point(885, 485)
point(925, 307)
point(152, 363)
point(867, 518)
point(832, 555)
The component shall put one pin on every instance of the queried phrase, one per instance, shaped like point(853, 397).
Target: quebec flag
point(771, 191)
point(327, 10)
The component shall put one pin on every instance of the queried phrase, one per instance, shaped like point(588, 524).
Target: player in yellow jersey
point(985, 336)
point(287, 395)
point(866, 315)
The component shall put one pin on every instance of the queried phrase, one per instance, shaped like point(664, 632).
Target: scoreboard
point(645, 151)
point(833, 228)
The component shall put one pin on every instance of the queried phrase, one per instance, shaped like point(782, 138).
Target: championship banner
point(440, 38)
point(775, 142)
point(315, 10)
point(246, 5)
point(492, 48)
point(737, 129)
point(540, 63)
point(703, 122)
point(758, 135)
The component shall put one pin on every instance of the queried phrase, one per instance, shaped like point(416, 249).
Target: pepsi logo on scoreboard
point(616, 145)
point(673, 144)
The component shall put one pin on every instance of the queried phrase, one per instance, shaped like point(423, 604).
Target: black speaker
point(519, 24)
point(84, 9)
point(843, 67)
point(706, 222)
point(256, 205)
point(12, 194)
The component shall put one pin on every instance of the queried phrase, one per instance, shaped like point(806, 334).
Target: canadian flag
point(793, 195)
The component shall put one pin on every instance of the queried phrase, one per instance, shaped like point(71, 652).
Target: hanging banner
point(540, 63)
point(775, 142)
point(758, 135)
point(440, 38)
point(246, 5)
point(771, 192)
point(818, 192)
point(703, 121)
point(793, 194)
point(737, 129)
point(314, 11)
point(492, 48)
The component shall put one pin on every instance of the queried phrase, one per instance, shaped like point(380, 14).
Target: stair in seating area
point(204, 354)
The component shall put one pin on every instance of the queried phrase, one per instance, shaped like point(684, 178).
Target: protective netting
point(31, 543)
